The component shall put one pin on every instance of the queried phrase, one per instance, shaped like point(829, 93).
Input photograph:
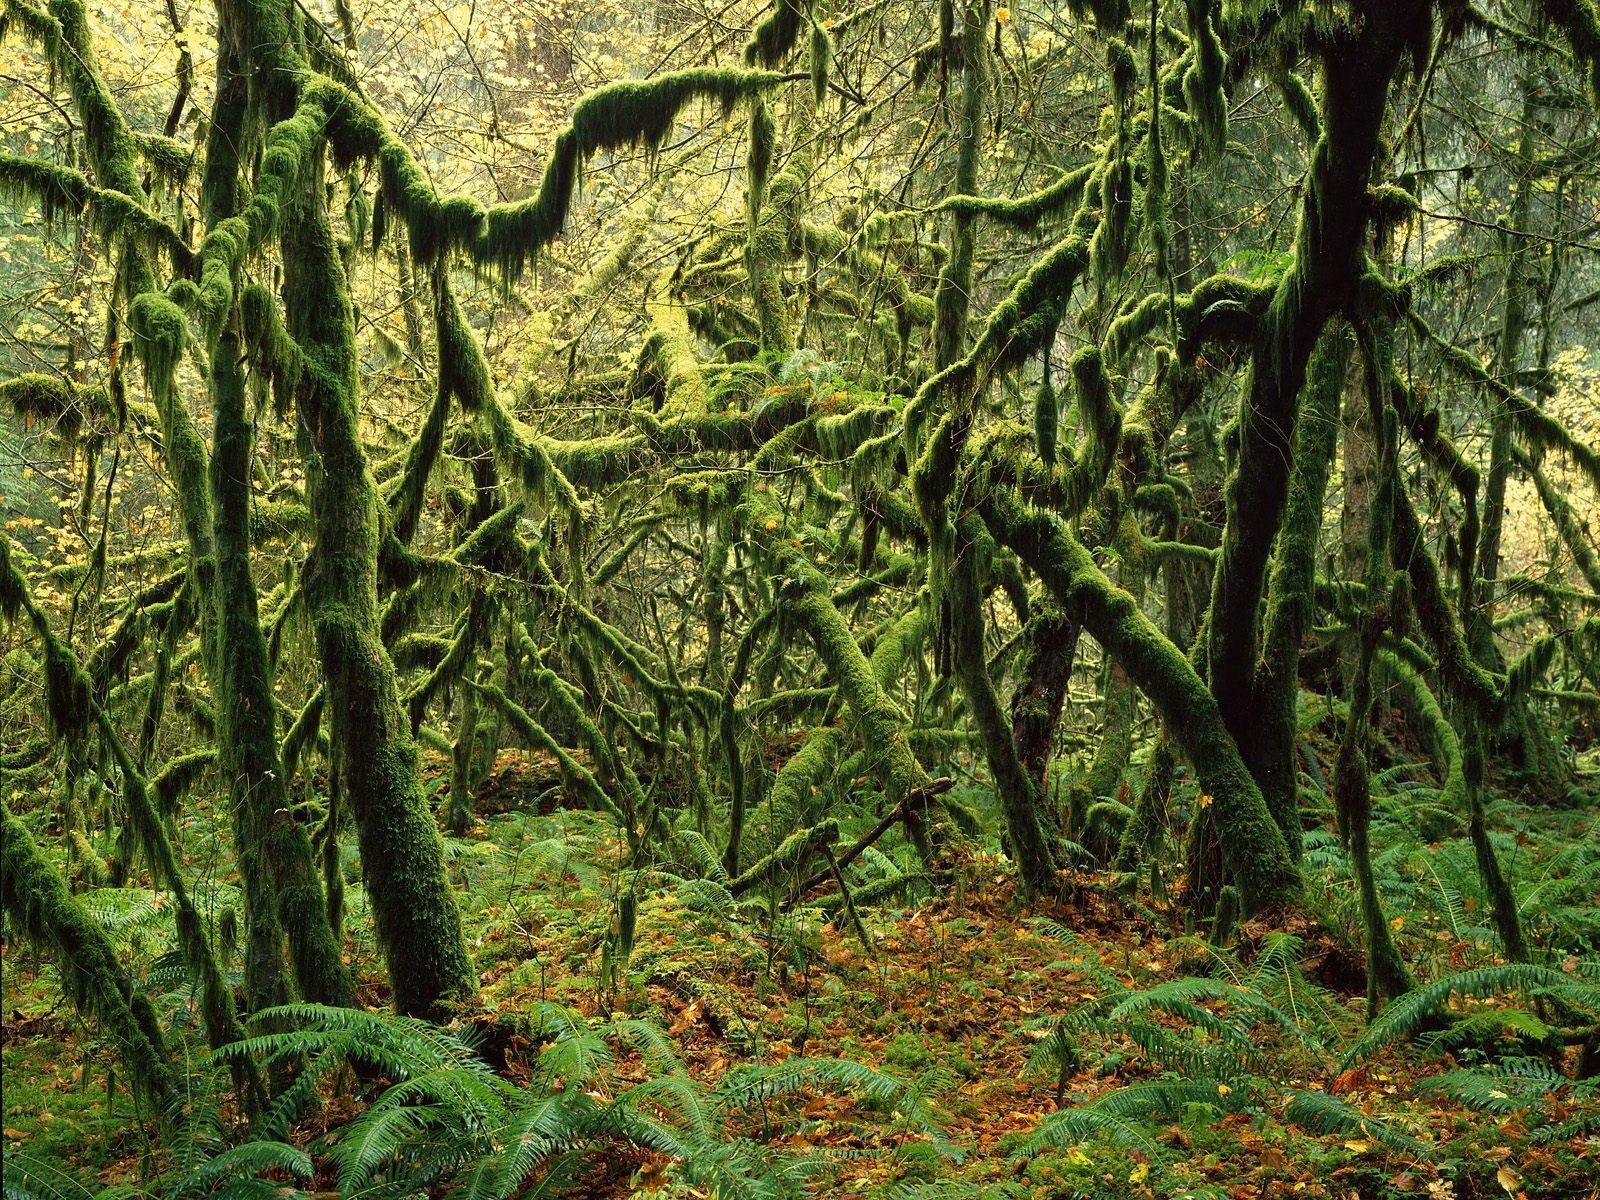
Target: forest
point(887, 599)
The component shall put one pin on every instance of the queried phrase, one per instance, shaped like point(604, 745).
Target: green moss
point(777, 35)
point(789, 859)
point(1023, 212)
point(792, 796)
point(1252, 844)
point(1580, 23)
point(1203, 82)
point(417, 922)
point(896, 646)
point(669, 352)
point(803, 594)
point(61, 192)
point(1540, 431)
point(962, 609)
point(282, 893)
point(38, 900)
point(46, 399)
point(1269, 742)
point(510, 236)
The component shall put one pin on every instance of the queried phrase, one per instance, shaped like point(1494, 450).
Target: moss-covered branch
point(1252, 843)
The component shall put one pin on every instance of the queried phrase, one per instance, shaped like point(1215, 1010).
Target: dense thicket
point(1154, 415)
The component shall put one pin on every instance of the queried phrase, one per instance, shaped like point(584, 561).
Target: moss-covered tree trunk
point(1027, 834)
point(1270, 742)
point(1328, 261)
point(38, 900)
point(1252, 844)
point(1516, 738)
point(1049, 648)
point(1386, 972)
point(283, 894)
point(960, 645)
point(415, 914)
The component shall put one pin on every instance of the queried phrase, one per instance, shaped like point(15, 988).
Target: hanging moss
point(1112, 240)
point(1569, 526)
point(776, 36)
point(1538, 429)
point(1580, 23)
point(1203, 83)
point(61, 192)
point(170, 784)
point(952, 294)
point(289, 147)
point(510, 236)
point(819, 59)
point(109, 145)
point(69, 704)
point(773, 239)
point(897, 645)
point(758, 158)
point(1302, 105)
point(1023, 212)
point(45, 399)
point(1046, 419)
point(1461, 673)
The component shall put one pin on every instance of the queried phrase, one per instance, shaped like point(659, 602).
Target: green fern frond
point(1322, 1113)
point(1407, 1014)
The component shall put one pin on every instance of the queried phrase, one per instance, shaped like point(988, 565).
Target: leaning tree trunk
point(1252, 845)
point(38, 900)
point(1027, 834)
point(402, 855)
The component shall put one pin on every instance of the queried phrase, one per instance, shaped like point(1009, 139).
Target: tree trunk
point(418, 924)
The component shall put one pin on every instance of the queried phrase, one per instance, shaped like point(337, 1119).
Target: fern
point(29, 1178)
point(1322, 1113)
point(1117, 1116)
point(1526, 1087)
point(1407, 1014)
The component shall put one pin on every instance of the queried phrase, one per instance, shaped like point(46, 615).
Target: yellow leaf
point(1397, 923)
point(1140, 1173)
point(1205, 800)
point(1509, 1180)
point(1358, 1147)
point(1002, 15)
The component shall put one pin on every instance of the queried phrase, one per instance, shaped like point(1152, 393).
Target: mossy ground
point(954, 993)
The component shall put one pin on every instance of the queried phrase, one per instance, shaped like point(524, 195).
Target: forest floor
point(954, 994)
